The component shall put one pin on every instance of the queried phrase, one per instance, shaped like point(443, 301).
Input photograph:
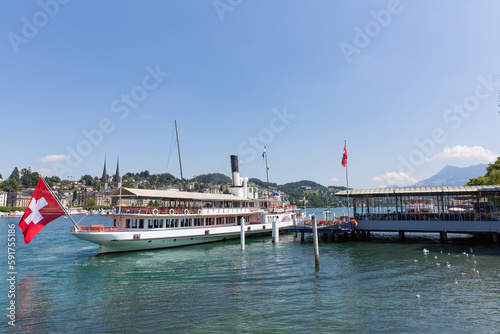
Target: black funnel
point(234, 164)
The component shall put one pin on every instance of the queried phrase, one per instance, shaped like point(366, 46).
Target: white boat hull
point(146, 239)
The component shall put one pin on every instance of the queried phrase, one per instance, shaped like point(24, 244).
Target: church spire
point(104, 178)
point(116, 180)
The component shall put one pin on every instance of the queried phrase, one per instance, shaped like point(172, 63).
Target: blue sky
point(411, 86)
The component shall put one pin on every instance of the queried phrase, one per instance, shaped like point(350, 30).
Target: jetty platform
point(330, 233)
point(465, 210)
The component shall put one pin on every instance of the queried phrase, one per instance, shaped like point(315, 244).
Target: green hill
point(215, 178)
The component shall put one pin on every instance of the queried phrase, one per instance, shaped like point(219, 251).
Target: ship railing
point(226, 210)
point(96, 228)
point(184, 211)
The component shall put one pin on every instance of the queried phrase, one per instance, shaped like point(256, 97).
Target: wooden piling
point(401, 236)
point(242, 236)
point(276, 232)
point(315, 241)
point(443, 236)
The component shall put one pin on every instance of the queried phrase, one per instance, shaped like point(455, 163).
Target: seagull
point(448, 265)
point(426, 251)
point(456, 282)
point(417, 295)
point(435, 256)
point(415, 260)
point(438, 264)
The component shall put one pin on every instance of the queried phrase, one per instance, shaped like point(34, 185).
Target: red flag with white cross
point(344, 157)
point(42, 209)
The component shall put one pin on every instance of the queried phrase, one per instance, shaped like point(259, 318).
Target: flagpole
point(305, 211)
point(60, 204)
point(347, 184)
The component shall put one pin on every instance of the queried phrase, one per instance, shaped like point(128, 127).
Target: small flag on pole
point(42, 209)
point(264, 153)
point(344, 157)
point(304, 198)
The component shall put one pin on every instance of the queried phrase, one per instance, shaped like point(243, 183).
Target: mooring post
point(315, 240)
point(242, 233)
point(294, 226)
point(276, 232)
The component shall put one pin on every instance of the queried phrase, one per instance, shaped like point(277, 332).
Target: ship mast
point(179, 150)
point(267, 174)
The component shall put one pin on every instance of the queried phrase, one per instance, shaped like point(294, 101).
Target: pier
point(329, 232)
point(465, 210)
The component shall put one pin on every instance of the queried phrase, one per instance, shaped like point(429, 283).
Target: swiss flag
point(43, 209)
point(344, 157)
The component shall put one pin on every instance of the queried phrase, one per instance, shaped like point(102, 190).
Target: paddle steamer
point(187, 218)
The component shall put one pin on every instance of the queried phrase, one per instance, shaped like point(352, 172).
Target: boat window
point(141, 223)
point(161, 223)
point(128, 223)
point(134, 223)
point(150, 223)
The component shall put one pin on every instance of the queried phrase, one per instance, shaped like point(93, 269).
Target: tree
point(87, 180)
point(10, 185)
point(29, 179)
point(492, 176)
point(15, 175)
point(89, 204)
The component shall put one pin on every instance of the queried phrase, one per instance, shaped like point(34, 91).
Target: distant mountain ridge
point(451, 176)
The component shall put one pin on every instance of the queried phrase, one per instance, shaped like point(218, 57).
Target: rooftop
point(173, 194)
point(418, 191)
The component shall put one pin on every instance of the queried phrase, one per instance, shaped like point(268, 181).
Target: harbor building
point(466, 209)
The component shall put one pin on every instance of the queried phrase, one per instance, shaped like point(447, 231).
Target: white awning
point(417, 191)
point(174, 195)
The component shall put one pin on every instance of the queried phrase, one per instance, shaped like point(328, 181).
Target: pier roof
point(173, 194)
point(416, 191)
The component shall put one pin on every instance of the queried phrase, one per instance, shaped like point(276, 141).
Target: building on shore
point(106, 186)
point(3, 198)
point(19, 198)
point(99, 198)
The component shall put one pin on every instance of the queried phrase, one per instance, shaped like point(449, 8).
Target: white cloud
point(463, 152)
point(54, 158)
point(334, 179)
point(394, 178)
point(46, 172)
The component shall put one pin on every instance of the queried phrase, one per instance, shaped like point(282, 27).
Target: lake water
point(361, 287)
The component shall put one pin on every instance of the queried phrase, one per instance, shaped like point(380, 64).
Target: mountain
point(262, 184)
point(453, 176)
point(306, 184)
point(212, 178)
